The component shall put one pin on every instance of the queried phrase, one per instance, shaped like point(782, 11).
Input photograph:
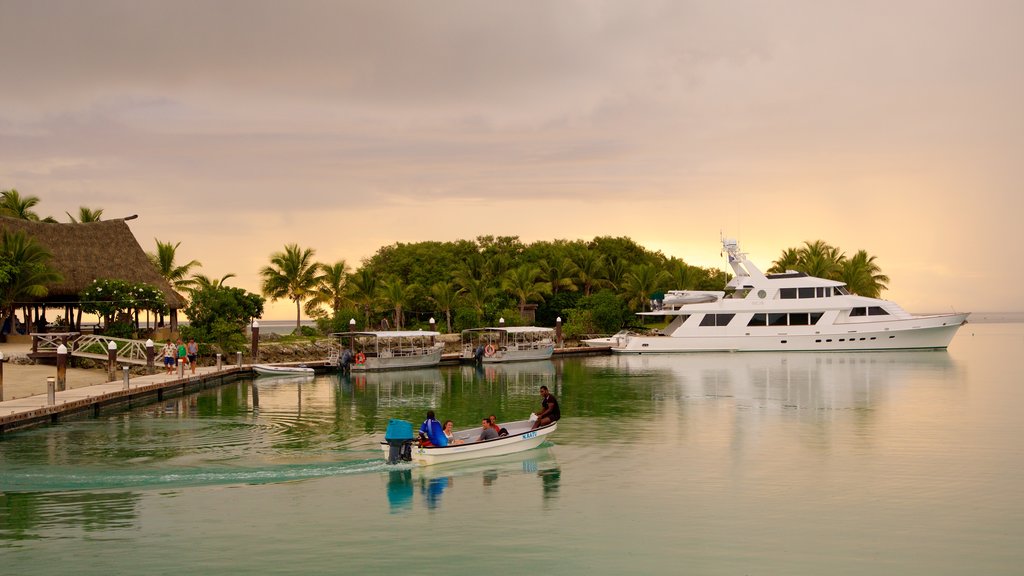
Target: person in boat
point(549, 409)
point(487, 432)
point(449, 432)
point(494, 424)
point(431, 431)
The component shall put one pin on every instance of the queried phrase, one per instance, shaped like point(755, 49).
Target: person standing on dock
point(193, 353)
point(549, 409)
point(169, 354)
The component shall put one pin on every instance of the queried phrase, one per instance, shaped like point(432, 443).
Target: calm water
point(869, 463)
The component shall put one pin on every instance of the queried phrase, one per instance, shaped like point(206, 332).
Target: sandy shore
point(21, 380)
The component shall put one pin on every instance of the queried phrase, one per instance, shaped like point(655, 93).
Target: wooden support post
point(62, 367)
point(150, 357)
point(111, 361)
point(255, 341)
point(2, 361)
point(558, 332)
point(51, 391)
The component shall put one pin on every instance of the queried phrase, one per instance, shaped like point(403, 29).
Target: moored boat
point(520, 437)
point(271, 370)
point(386, 350)
point(508, 344)
point(791, 311)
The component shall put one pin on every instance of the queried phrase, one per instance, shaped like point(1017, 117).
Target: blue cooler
point(399, 437)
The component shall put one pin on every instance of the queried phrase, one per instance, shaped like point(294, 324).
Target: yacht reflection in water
point(433, 482)
point(811, 380)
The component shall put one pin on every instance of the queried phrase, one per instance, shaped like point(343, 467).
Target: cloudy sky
point(237, 127)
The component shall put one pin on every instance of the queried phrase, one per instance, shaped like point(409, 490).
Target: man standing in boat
point(549, 409)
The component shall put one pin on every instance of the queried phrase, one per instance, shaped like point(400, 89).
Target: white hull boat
point(270, 370)
point(608, 341)
point(520, 438)
point(786, 312)
point(508, 344)
point(386, 350)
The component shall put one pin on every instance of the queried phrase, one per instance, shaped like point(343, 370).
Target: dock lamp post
point(255, 341)
point(352, 325)
point(150, 355)
point(433, 328)
point(501, 321)
point(558, 331)
point(62, 367)
point(112, 361)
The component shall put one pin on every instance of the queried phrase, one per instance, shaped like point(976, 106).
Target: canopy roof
point(389, 333)
point(512, 329)
point(92, 251)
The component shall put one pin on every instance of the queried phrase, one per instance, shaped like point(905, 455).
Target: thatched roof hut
point(89, 251)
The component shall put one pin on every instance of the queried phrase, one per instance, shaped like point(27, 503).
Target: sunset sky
point(237, 127)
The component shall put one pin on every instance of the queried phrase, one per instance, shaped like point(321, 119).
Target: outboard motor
point(399, 438)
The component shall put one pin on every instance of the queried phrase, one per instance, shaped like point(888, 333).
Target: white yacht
point(786, 312)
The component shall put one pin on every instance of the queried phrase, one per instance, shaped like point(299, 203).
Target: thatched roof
point(91, 251)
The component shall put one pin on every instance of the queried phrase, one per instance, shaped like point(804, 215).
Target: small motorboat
point(521, 436)
point(269, 370)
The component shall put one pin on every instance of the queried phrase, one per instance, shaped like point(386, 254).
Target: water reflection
point(853, 380)
point(26, 515)
point(434, 482)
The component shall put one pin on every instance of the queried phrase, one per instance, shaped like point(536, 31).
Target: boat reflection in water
point(433, 482)
point(518, 378)
point(822, 380)
point(420, 387)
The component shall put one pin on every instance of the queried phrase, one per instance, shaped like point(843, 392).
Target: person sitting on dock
point(497, 428)
point(487, 433)
point(549, 409)
point(433, 431)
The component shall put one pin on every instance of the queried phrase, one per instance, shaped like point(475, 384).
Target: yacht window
point(787, 293)
point(716, 319)
point(841, 290)
point(828, 291)
point(815, 316)
point(859, 311)
point(758, 320)
point(798, 319)
point(776, 319)
point(819, 292)
point(877, 311)
point(806, 292)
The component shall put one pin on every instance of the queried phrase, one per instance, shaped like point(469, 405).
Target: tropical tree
point(165, 261)
point(642, 281)
point(445, 295)
point(683, 276)
point(615, 272)
point(331, 290)
point(396, 294)
point(86, 215)
point(557, 272)
point(789, 260)
point(588, 269)
point(863, 276)
point(25, 271)
point(292, 274)
point(362, 290)
point(202, 282)
point(525, 284)
point(476, 293)
point(13, 205)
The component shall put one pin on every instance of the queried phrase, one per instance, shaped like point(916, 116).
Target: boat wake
point(59, 478)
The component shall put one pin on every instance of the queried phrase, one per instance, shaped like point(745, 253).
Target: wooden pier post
point(62, 367)
point(51, 391)
point(558, 332)
point(112, 361)
point(238, 357)
point(255, 341)
point(219, 365)
point(2, 360)
point(127, 384)
point(150, 357)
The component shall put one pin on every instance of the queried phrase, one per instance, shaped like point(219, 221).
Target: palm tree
point(476, 293)
point(331, 291)
point(615, 272)
point(24, 271)
point(818, 258)
point(863, 276)
point(789, 260)
point(589, 269)
point(643, 281)
point(397, 294)
point(86, 215)
point(683, 276)
point(524, 283)
point(445, 295)
point(203, 282)
point(164, 260)
point(14, 206)
point(558, 274)
point(291, 274)
point(362, 289)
